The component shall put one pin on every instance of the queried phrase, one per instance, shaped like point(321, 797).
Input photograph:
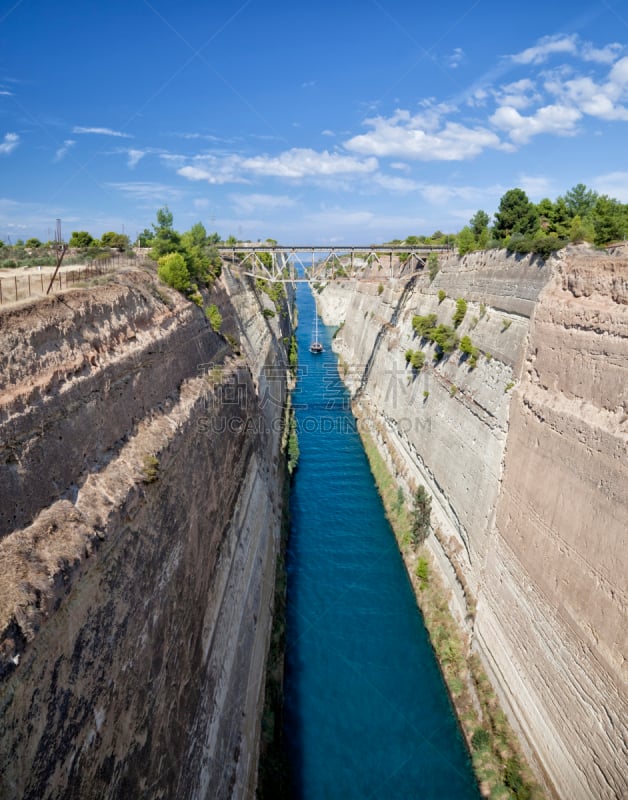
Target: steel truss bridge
point(318, 263)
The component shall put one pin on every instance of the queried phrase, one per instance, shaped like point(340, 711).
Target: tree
point(145, 238)
point(173, 271)
point(465, 241)
point(34, 243)
point(581, 230)
point(580, 200)
point(413, 241)
point(516, 214)
point(118, 241)
point(610, 220)
point(166, 239)
point(479, 222)
point(80, 239)
point(421, 516)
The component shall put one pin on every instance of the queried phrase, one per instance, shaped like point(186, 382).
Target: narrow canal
point(367, 713)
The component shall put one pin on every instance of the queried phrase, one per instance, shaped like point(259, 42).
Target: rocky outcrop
point(525, 456)
point(141, 479)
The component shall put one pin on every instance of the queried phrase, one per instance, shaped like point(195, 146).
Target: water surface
point(367, 713)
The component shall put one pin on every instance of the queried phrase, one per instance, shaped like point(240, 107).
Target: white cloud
point(536, 187)
point(308, 84)
point(135, 156)
point(148, 191)
point(63, 151)
point(614, 184)
point(101, 131)
point(327, 132)
point(304, 163)
point(417, 137)
point(560, 120)
point(298, 163)
point(604, 100)
point(6, 93)
point(201, 202)
point(394, 183)
point(10, 142)
point(604, 55)
point(519, 94)
point(456, 58)
point(248, 203)
point(547, 46)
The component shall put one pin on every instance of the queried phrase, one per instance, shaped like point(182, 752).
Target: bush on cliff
point(173, 271)
point(421, 516)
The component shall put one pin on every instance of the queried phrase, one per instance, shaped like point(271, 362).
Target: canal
point(367, 714)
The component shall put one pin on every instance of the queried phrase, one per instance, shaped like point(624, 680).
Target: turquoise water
point(367, 714)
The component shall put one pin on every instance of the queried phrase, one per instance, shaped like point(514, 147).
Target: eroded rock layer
point(525, 456)
point(141, 483)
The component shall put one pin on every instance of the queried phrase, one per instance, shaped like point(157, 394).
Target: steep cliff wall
point(525, 456)
point(141, 478)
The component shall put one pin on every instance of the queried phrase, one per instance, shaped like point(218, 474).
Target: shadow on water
point(367, 714)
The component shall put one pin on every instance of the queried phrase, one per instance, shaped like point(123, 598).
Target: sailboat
point(317, 345)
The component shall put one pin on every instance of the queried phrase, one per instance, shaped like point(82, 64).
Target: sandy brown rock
point(137, 578)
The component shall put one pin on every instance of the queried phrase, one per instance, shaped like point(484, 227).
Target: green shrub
point(418, 359)
point(214, 316)
point(268, 313)
point(426, 394)
point(422, 325)
point(461, 310)
point(421, 516)
point(422, 572)
point(442, 294)
point(380, 288)
point(433, 265)
point(150, 469)
point(506, 324)
point(509, 386)
point(481, 739)
point(408, 355)
point(173, 271)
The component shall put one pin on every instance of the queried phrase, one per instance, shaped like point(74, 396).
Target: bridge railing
point(281, 262)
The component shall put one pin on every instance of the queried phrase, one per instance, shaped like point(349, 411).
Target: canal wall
point(525, 458)
point(141, 474)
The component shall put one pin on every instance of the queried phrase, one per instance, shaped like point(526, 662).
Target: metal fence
point(33, 282)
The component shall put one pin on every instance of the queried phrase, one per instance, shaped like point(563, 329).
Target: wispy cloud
point(101, 132)
point(63, 151)
point(135, 156)
point(9, 143)
point(567, 45)
point(148, 191)
point(294, 164)
point(456, 58)
point(249, 203)
point(308, 84)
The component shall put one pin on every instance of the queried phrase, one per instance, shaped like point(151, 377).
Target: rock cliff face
point(141, 475)
point(525, 456)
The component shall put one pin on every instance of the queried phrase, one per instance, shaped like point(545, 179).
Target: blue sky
point(323, 122)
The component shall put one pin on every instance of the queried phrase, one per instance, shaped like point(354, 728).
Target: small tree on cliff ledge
point(421, 516)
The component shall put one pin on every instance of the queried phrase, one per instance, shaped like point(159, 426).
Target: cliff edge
point(524, 454)
point(141, 474)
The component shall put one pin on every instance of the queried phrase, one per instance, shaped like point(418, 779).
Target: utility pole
point(60, 249)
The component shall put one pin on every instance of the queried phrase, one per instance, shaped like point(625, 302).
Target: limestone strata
point(525, 456)
point(138, 566)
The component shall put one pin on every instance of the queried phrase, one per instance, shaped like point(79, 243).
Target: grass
point(497, 761)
